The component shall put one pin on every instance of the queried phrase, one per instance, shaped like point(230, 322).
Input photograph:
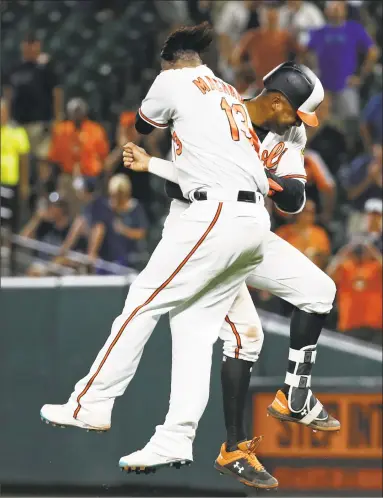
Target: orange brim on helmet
point(306, 111)
point(300, 86)
point(309, 118)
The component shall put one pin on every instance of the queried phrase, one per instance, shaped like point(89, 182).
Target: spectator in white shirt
point(233, 20)
point(300, 17)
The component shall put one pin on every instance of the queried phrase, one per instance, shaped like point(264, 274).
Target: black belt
point(174, 192)
point(243, 196)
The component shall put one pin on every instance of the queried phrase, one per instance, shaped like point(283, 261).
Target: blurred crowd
point(63, 186)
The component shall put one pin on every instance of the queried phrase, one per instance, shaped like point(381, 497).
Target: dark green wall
point(50, 336)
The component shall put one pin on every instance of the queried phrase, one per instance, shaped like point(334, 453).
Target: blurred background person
point(32, 87)
point(372, 226)
point(89, 197)
point(336, 48)
point(320, 186)
point(79, 147)
point(362, 180)
point(118, 227)
point(235, 18)
point(245, 83)
point(371, 122)
point(51, 226)
point(306, 236)
point(114, 226)
point(130, 221)
point(14, 168)
point(357, 272)
point(126, 132)
point(299, 17)
point(267, 46)
point(328, 138)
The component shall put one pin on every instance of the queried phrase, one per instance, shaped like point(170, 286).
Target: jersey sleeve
point(291, 158)
point(164, 169)
point(157, 107)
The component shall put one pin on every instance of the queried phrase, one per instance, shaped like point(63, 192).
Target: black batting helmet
point(300, 86)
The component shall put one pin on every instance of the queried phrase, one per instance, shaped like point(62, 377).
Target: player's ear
point(276, 103)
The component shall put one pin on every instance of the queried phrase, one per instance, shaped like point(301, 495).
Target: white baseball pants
point(195, 272)
point(284, 272)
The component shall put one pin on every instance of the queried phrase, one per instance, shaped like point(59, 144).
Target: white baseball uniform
point(201, 262)
point(284, 272)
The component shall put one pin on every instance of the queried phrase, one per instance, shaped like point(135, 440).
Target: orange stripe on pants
point(237, 336)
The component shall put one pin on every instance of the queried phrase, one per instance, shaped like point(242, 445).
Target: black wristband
point(292, 196)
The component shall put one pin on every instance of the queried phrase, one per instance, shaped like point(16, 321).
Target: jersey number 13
point(233, 112)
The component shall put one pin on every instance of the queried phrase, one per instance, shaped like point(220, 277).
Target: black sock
point(305, 329)
point(235, 381)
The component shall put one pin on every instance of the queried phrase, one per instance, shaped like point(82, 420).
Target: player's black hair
point(187, 39)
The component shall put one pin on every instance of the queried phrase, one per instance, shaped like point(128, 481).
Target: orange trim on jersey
point(237, 336)
point(178, 144)
point(304, 177)
point(150, 121)
point(149, 300)
point(255, 138)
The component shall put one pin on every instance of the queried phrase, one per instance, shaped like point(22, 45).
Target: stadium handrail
point(75, 256)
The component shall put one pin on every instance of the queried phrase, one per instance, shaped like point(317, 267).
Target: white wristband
point(164, 169)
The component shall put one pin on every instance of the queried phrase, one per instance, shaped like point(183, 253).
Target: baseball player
point(280, 140)
point(201, 262)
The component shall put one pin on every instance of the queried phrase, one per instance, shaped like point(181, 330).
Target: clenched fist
point(135, 158)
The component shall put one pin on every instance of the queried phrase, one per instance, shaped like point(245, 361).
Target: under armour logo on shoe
point(238, 466)
point(304, 412)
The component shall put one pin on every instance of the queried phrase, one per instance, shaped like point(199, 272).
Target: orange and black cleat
point(296, 402)
point(313, 414)
point(243, 465)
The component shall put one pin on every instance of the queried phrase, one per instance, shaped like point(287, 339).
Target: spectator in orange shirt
point(309, 238)
point(321, 186)
point(125, 132)
point(79, 146)
point(357, 271)
point(266, 46)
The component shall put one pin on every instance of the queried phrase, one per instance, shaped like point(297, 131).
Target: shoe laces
point(250, 453)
